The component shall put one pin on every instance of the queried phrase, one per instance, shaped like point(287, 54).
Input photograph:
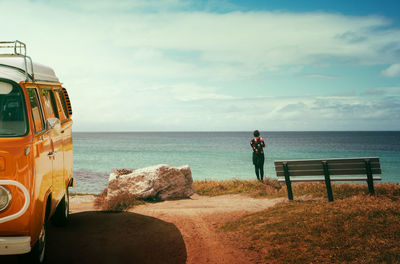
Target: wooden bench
point(328, 170)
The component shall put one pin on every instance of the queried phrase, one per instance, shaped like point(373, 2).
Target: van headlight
point(5, 198)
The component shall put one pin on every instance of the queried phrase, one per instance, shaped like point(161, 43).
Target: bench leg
point(327, 181)
point(329, 190)
point(288, 182)
point(370, 179)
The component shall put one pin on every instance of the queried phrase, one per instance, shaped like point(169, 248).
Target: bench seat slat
point(293, 167)
point(332, 161)
point(331, 172)
point(311, 179)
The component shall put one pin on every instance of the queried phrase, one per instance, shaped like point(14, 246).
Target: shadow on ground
point(100, 237)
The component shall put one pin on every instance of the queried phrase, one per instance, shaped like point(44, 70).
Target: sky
point(195, 65)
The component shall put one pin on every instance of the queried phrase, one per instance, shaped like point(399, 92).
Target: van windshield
point(12, 111)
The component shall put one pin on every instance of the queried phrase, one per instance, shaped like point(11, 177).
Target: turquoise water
point(221, 155)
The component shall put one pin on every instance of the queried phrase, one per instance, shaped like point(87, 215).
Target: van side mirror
point(52, 123)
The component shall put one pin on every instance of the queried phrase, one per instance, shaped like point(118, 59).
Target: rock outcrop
point(160, 182)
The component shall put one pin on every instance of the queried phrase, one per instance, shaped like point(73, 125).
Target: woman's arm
point(252, 145)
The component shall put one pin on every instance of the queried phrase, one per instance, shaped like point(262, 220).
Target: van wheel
point(38, 252)
point(61, 215)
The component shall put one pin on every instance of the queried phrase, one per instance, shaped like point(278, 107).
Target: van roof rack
point(18, 49)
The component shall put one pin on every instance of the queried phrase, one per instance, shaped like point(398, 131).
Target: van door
point(43, 165)
point(66, 131)
point(56, 153)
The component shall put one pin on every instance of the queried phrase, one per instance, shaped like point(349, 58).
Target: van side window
point(49, 104)
point(62, 111)
point(67, 101)
point(37, 114)
point(13, 121)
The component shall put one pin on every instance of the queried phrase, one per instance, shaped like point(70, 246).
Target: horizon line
point(224, 131)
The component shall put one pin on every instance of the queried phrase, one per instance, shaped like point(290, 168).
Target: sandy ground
point(198, 219)
point(176, 232)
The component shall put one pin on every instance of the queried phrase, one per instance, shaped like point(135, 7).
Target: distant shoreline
point(244, 131)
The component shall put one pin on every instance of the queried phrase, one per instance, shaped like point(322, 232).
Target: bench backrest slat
point(331, 161)
point(331, 172)
point(294, 167)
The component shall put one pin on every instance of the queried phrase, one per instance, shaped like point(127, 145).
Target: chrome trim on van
point(27, 150)
point(24, 207)
point(9, 197)
point(15, 245)
point(19, 50)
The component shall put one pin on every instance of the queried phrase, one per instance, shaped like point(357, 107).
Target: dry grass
point(119, 172)
point(355, 228)
point(120, 202)
point(117, 203)
point(254, 188)
point(272, 189)
point(100, 200)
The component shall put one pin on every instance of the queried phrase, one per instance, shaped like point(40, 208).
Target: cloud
point(250, 40)
point(375, 92)
point(181, 65)
point(267, 38)
point(387, 91)
point(319, 113)
point(320, 76)
point(120, 6)
point(337, 113)
point(352, 37)
point(392, 71)
point(293, 108)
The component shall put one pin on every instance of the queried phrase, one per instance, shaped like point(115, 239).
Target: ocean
point(221, 155)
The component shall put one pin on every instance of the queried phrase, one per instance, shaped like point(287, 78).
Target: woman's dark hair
point(256, 133)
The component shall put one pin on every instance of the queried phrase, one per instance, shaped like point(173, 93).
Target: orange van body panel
point(18, 168)
point(26, 161)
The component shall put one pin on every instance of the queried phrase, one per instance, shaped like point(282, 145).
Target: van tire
point(38, 252)
point(61, 215)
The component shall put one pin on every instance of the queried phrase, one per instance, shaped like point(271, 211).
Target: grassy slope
point(272, 189)
point(355, 228)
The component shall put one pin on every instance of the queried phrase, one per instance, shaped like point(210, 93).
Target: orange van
point(35, 153)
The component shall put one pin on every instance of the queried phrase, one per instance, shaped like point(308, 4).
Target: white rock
point(160, 181)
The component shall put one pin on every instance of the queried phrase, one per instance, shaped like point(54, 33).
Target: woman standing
point(257, 144)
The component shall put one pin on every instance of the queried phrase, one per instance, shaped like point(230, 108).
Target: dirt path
point(198, 218)
point(176, 232)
